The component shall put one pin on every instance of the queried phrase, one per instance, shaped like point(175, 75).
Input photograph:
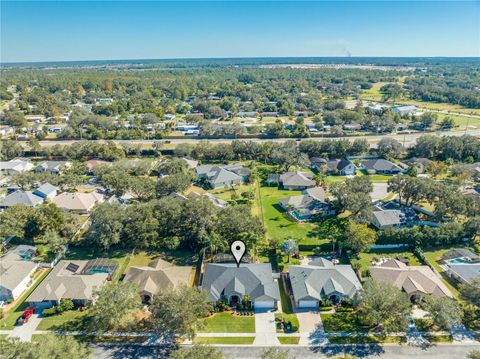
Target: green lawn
point(424, 325)
point(287, 307)
point(365, 259)
point(439, 338)
point(288, 340)
point(227, 193)
point(94, 339)
point(224, 340)
point(366, 340)
point(374, 93)
point(11, 317)
point(227, 323)
point(433, 256)
point(71, 320)
point(341, 322)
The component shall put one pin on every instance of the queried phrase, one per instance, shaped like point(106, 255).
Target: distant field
point(374, 93)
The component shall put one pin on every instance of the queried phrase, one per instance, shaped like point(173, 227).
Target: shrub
point(50, 311)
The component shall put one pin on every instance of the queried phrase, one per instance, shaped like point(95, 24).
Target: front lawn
point(342, 322)
point(71, 320)
point(224, 340)
point(364, 259)
point(288, 340)
point(227, 323)
point(366, 340)
point(288, 318)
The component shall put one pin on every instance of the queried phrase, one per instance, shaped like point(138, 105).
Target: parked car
point(26, 315)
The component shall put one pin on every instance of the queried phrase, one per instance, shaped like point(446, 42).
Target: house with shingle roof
point(416, 281)
point(158, 275)
point(15, 166)
point(16, 271)
point(322, 279)
point(26, 198)
point(226, 281)
point(46, 190)
point(53, 167)
point(381, 166)
point(81, 203)
point(69, 279)
point(310, 203)
point(391, 214)
point(222, 176)
point(296, 180)
point(342, 167)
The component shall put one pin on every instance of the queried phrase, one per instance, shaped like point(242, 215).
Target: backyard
point(364, 259)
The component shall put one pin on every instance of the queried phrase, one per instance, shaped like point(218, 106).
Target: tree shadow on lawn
point(359, 351)
point(82, 323)
point(123, 351)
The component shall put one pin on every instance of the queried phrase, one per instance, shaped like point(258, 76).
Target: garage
point(307, 303)
point(264, 304)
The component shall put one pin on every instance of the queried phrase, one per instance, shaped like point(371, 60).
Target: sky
point(91, 30)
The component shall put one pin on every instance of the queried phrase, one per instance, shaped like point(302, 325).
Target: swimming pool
point(459, 260)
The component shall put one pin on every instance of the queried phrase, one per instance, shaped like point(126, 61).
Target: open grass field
point(224, 340)
point(71, 320)
point(374, 93)
point(289, 340)
point(364, 260)
point(11, 317)
point(440, 106)
point(462, 121)
point(227, 323)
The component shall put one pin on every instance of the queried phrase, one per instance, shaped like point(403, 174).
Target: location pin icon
point(238, 250)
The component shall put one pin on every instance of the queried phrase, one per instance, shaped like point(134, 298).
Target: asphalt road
point(247, 352)
point(407, 139)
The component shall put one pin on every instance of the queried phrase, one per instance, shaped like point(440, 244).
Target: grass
point(423, 324)
point(287, 306)
point(342, 322)
point(364, 259)
point(71, 320)
point(93, 339)
point(374, 93)
point(11, 317)
point(141, 259)
point(288, 340)
point(224, 340)
point(292, 318)
point(226, 193)
point(439, 338)
point(227, 323)
point(366, 340)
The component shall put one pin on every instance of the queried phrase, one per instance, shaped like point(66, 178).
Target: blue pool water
point(459, 260)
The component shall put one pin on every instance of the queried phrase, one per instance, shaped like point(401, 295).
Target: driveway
point(311, 327)
point(266, 332)
point(379, 191)
point(24, 332)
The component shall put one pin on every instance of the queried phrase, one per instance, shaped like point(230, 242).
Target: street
point(248, 352)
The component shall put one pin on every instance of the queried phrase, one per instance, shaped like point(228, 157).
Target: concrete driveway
point(24, 332)
point(311, 327)
point(379, 191)
point(266, 332)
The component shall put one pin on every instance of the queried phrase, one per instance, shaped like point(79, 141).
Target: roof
point(392, 214)
point(18, 165)
point(47, 189)
point(221, 174)
point(311, 202)
point(50, 165)
point(77, 201)
point(460, 252)
point(322, 278)
point(411, 279)
point(316, 192)
point(67, 281)
point(14, 268)
point(26, 198)
point(159, 274)
point(380, 164)
point(190, 162)
point(226, 279)
point(467, 271)
point(296, 178)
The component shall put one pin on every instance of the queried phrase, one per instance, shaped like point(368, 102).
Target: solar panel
point(72, 267)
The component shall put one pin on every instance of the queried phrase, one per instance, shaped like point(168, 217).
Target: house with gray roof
point(416, 281)
point(16, 272)
point(381, 166)
point(404, 109)
point(342, 167)
point(391, 214)
point(321, 279)
point(296, 180)
point(70, 279)
point(26, 198)
point(226, 281)
point(222, 176)
point(157, 275)
point(310, 203)
point(461, 264)
point(15, 166)
point(53, 167)
point(46, 191)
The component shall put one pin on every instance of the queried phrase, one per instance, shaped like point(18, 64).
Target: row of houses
point(345, 167)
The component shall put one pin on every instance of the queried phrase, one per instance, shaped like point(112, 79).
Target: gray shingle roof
point(14, 269)
point(296, 178)
point(381, 164)
point(26, 198)
point(467, 271)
point(322, 279)
point(226, 279)
point(47, 189)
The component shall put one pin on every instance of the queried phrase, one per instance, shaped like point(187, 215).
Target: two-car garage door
point(308, 303)
point(264, 304)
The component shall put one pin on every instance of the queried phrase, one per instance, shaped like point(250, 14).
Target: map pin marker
point(238, 250)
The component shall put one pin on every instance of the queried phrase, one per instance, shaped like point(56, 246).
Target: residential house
point(416, 281)
point(420, 163)
point(16, 271)
point(310, 203)
point(15, 166)
point(342, 167)
point(217, 202)
point(352, 126)
point(81, 203)
point(76, 280)
point(156, 276)
point(191, 162)
point(92, 165)
point(226, 281)
point(381, 166)
point(46, 191)
point(294, 180)
point(222, 176)
point(26, 198)
point(104, 100)
point(461, 264)
point(404, 109)
point(391, 214)
point(53, 167)
point(322, 279)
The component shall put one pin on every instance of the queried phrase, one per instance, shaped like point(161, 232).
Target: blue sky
point(89, 30)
